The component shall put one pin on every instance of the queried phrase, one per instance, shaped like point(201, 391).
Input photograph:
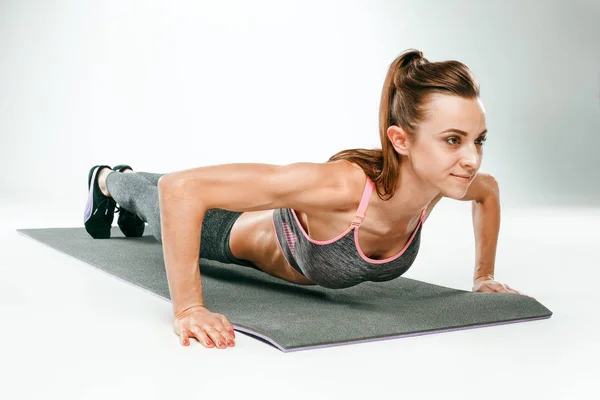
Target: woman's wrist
point(188, 310)
point(485, 277)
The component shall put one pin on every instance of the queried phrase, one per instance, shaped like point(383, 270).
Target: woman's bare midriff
point(253, 238)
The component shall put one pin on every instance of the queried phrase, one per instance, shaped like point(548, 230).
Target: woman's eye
point(479, 141)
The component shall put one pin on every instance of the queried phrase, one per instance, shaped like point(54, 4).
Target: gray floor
point(96, 337)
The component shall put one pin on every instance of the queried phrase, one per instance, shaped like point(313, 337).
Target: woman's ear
point(399, 139)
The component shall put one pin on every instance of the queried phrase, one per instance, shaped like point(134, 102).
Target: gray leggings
point(138, 194)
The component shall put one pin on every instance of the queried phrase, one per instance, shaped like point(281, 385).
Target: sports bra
point(339, 262)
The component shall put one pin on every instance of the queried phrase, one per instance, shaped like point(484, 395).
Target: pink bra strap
point(364, 203)
point(423, 213)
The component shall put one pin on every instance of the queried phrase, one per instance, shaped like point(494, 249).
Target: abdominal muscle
point(253, 238)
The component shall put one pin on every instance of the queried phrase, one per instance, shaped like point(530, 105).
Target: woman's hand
point(491, 285)
point(206, 326)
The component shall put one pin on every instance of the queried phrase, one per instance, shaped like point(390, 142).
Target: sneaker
point(131, 225)
point(100, 209)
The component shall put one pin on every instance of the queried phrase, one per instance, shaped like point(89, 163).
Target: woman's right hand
point(208, 328)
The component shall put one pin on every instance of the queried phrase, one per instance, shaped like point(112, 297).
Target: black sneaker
point(100, 209)
point(131, 225)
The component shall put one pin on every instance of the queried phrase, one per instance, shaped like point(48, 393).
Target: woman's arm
point(181, 222)
point(185, 196)
point(486, 224)
point(484, 194)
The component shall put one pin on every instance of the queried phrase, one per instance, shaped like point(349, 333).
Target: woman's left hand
point(495, 286)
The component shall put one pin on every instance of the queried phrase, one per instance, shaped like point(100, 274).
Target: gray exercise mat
point(295, 317)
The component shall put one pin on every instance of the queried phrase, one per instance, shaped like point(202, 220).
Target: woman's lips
point(460, 178)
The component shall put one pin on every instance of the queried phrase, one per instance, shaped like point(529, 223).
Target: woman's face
point(437, 156)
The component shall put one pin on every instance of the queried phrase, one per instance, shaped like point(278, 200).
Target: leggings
point(138, 194)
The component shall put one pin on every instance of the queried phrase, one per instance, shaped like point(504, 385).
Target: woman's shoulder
point(354, 178)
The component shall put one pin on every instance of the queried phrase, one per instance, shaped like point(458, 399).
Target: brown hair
point(410, 82)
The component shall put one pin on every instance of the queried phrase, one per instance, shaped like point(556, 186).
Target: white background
point(165, 86)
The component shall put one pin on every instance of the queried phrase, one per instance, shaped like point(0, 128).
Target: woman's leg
point(136, 194)
point(150, 177)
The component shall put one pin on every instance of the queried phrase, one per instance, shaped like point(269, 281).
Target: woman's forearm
point(181, 223)
point(486, 224)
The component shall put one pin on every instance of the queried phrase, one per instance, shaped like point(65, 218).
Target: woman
point(300, 222)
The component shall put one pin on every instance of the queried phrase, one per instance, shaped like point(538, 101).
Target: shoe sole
point(87, 213)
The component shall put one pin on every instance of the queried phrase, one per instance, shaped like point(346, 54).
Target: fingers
point(220, 336)
point(208, 336)
point(210, 329)
point(503, 288)
point(226, 324)
point(512, 290)
point(228, 327)
point(518, 292)
point(498, 287)
point(202, 337)
point(184, 335)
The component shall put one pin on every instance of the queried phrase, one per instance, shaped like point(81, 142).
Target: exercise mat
point(295, 317)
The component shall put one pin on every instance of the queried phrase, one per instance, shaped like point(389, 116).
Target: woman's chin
point(455, 196)
point(455, 192)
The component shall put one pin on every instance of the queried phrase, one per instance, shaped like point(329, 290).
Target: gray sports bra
point(339, 262)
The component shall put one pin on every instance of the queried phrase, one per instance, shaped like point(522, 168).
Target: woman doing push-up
point(357, 217)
